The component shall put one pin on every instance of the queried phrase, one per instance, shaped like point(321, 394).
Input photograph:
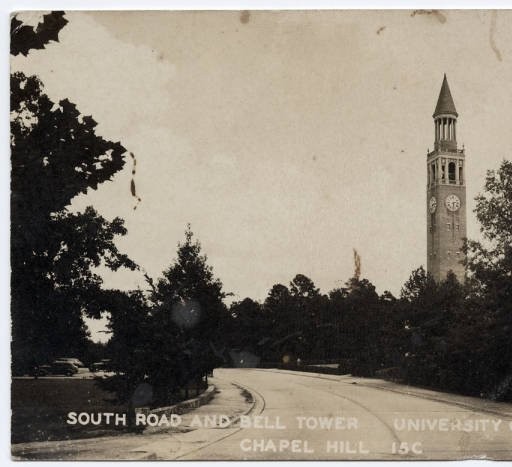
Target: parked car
point(41, 370)
point(62, 367)
point(72, 360)
point(102, 365)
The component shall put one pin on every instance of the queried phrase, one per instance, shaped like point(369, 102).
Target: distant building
point(446, 193)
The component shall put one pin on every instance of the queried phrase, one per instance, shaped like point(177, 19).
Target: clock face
point(432, 204)
point(452, 202)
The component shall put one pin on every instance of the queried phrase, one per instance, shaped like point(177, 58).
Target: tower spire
point(445, 103)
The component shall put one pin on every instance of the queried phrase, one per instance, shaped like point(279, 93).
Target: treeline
point(436, 335)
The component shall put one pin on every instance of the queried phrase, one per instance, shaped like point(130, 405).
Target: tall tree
point(188, 318)
point(490, 264)
point(490, 261)
point(55, 155)
point(361, 325)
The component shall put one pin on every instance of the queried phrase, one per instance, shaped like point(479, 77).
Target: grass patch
point(40, 408)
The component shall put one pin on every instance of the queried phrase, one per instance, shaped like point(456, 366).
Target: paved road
point(289, 418)
point(370, 422)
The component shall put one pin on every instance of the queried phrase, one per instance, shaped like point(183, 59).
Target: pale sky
point(285, 138)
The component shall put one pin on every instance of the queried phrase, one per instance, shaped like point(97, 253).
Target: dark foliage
point(56, 155)
point(167, 340)
point(25, 38)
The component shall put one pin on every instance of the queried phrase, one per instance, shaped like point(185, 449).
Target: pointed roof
point(445, 103)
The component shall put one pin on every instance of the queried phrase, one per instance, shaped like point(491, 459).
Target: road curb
point(180, 407)
point(151, 456)
point(250, 409)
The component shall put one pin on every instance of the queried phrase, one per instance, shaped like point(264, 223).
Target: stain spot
point(245, 16)
point(401, 150)
point(160, 56)
point(381, 29)
point(142, 395)
point(314, 158)
point(492, 31)
point(133, 191)
point(186, 314)
point(436, 13)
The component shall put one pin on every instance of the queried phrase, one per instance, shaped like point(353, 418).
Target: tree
point(247, 333)
point(131, 343)
point(490, 261)
point(490, 264)
point(248, 324)
point(54, 286)
point(309, 308)
point(303, 287)
point(361, 325)
point(188, 316)
point(420, 287)
point(190, 292)
point(55, 155)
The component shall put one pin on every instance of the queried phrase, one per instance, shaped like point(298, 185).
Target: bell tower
point(446, 193)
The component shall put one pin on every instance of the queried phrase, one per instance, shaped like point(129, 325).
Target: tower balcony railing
point(438, 150)
point(443, 181)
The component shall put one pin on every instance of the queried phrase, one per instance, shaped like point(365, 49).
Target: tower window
point(448, 226)
point(457, 227)
point(451, 172)
point(460, 175)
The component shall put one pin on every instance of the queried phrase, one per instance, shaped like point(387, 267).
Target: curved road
point(310, 416)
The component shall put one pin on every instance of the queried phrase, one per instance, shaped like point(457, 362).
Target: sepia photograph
point(261, 235)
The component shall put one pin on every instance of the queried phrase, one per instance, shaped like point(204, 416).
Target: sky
point(286, 139)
